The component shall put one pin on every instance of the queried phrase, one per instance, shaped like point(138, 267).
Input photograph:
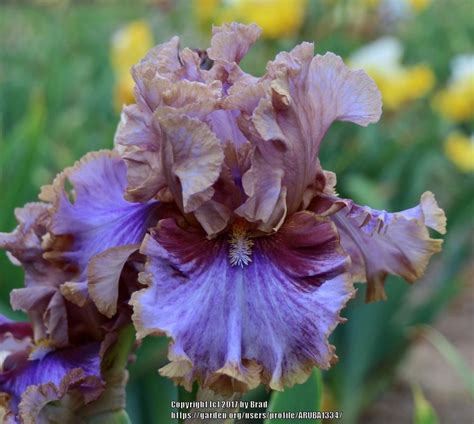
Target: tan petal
point(103, 275)
point(193, 158)
point(230, 42)
point(306, 95)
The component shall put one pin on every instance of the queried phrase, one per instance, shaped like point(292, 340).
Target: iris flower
point(249, 276)
point(215, 195)
point(32, 376)
point(40, 386)
point(53, 366)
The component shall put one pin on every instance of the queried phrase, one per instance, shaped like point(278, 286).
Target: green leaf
point(451, 356)
point(115, 417)
point(117, 357)
point(299, 398)
point(185, 396)
point(365, 191)
point(423, 411)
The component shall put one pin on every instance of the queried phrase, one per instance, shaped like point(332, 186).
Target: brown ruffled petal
point(306, 95)
point(193, 156)
point(231, 42)
point(103, 277)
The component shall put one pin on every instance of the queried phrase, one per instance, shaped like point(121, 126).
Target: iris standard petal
point(307, 94)
point(266, 319)
point(231, 42)
point(193, 156)
point(138, 142)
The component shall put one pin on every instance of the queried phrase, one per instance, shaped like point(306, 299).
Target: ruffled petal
point(307, 94)
point(39, 385)
point(19, 374)
point(35, 407)
point(381, 243)
point(139, 136)
point(231, 42)
point(49, 283)
point(193, 157)
point(98, 217)
point(24, 243)
point(234, 327)
point(86, 226)
point(138, 143)
point(42, 278)
point(104, 275)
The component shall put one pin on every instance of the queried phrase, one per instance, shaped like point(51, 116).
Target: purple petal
point(382, 243)
point(52, 368)
point(98, 218)
point(234, 327)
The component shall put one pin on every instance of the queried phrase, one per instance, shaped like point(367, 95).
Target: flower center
point(240, 249)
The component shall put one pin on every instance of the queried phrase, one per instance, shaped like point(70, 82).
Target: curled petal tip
point(435, 217)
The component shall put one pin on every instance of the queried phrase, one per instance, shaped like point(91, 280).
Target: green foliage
point(423, 411)
point(116, 417)
point(299, 398)
point(451, 355)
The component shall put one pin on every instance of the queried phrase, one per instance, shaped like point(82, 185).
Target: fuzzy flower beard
point(215, 194)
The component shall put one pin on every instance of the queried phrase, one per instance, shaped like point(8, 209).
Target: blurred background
point(64, 74)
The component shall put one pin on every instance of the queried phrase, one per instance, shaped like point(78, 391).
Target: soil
point(424, 365)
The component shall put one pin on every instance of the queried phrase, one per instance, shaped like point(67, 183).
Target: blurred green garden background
point(64, 74)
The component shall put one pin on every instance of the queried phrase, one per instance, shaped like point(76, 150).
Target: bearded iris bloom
point(53, 366)
point(33, 375)
point(214, 195)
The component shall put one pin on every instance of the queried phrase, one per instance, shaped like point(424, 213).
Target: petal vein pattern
point(234, 327)
point(98, 217)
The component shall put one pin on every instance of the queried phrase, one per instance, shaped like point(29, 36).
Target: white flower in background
point(456, 101)
point(394, 10)
point(382, 59)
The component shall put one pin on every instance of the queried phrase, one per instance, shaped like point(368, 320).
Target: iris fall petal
point(234, 327)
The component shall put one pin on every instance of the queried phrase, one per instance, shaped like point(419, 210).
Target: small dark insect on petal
point(206, 62)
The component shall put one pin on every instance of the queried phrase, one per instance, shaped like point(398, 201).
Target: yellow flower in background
point(459, 148)
point(456, 101)
point(419, 5)
point(397, 8)
point(129, 45)
point(278, 18)
point(398, 84)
